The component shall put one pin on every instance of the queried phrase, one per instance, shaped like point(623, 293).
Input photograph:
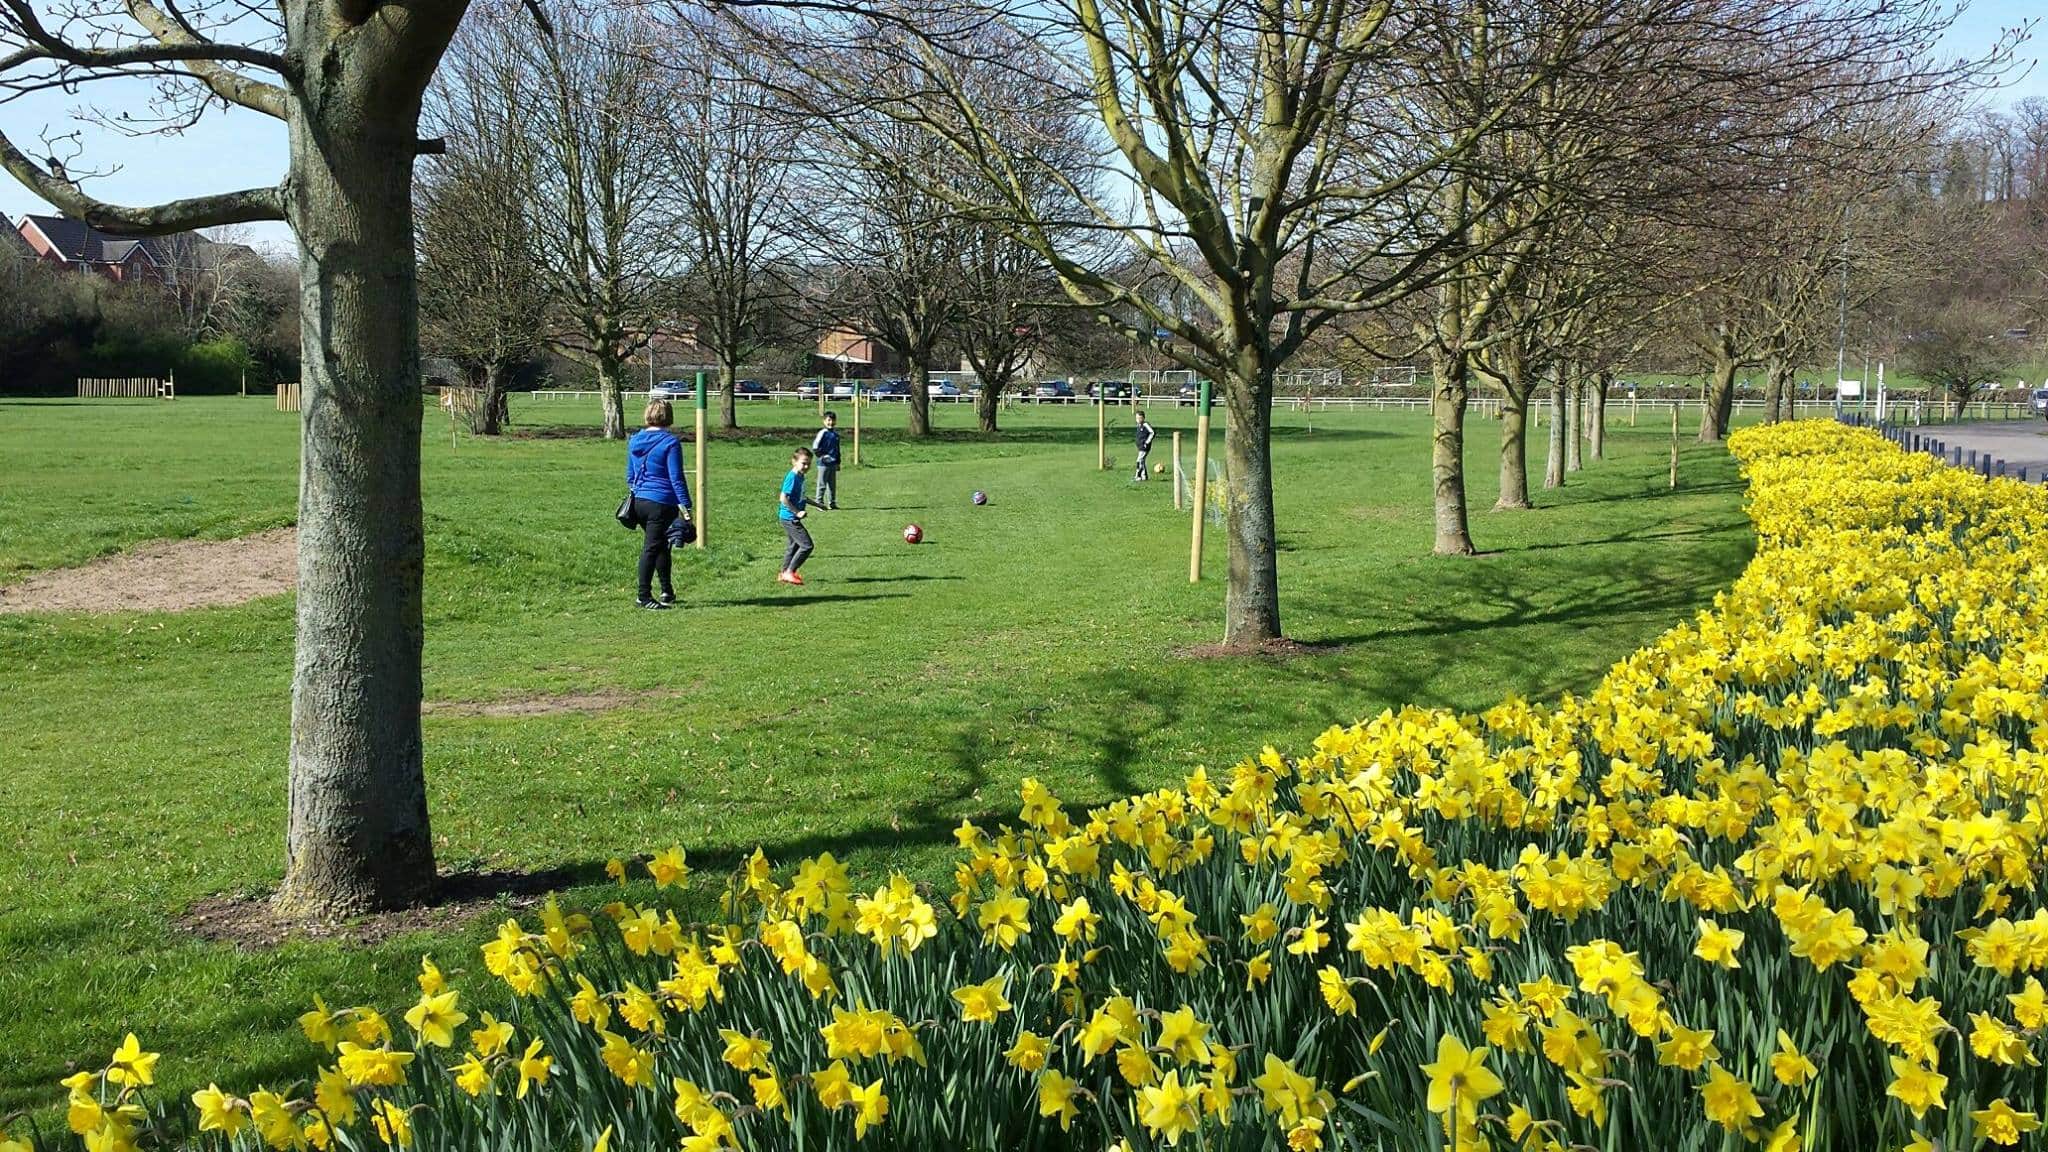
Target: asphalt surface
point(2020, 443)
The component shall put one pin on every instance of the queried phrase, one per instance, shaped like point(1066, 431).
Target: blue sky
point(238, 149)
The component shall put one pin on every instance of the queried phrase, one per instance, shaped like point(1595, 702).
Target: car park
point(1051, 392)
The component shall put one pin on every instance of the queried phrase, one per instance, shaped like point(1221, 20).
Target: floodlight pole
point(1201, 483)
point(701, 437)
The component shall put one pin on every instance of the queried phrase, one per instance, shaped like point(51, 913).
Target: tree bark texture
point(986, 403)
point(920, 396)
point(356, 833)
point(492, 408)
point(612, 393)
point(728, 395)
point(1575, 412)
point(1598, 417)
point(1553, 467)
point(1779, 404)
point(1514, 452)
point(1251, 610)
point(1451, 375)
point(1720, 400)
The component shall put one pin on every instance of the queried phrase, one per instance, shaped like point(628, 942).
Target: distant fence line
point(1908, 411)
point(127, 388)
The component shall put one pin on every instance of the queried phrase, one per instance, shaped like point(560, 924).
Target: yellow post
point(1176, 470)
point(1101, 425)
point(856, 423)
point(702, 435)
point(1201, 483)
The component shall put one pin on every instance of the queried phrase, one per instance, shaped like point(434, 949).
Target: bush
point(1774, 881)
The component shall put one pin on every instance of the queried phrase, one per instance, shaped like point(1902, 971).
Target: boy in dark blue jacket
point(825, 456)
point(1144, 437)
point(661, 499)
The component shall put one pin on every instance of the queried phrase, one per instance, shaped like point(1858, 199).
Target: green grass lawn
point(866, 714)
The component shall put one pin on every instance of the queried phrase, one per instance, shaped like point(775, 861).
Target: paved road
point(2020, 443)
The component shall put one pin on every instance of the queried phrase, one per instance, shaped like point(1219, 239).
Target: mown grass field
point(867, 713)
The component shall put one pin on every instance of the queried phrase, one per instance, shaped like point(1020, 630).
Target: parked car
point(2040, 401)
point(808, 389)
point(1052, 392)
point(1110, 389)
point(749, 388)
point(1188, 396)
point(673, 390)
point(843, 390)
point(943, 390)
point(893, 388)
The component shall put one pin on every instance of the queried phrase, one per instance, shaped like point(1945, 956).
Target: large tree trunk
point(356, 834)
point(1553, 466)
point(1451, 379)
point(1514, 451)
point(609, 389)
point(1720, 400)
point(986, 402)
point(728, 394)
point(1251, 608)
point(920, 396)
point(1599, 384)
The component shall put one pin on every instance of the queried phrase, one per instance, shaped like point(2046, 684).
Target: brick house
point(845, 354)
point(80, 246)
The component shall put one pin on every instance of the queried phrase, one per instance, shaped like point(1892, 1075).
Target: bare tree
point(898, 244)
point(732, 181)
point(347, 76)
point(1233, 124)
point(481, 304)
point(1960, 350)
point(1008, 303)
point(605, 251)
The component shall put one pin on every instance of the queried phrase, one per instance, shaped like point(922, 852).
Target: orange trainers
point(795, 579)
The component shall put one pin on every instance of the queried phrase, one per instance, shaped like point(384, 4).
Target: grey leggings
point(800, 547)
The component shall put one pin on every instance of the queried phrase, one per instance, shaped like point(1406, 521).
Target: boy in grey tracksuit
point(1144, 435)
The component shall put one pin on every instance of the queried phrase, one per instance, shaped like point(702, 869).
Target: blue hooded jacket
point(654, 467)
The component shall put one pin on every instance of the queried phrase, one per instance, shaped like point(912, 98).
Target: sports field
point(902, 689)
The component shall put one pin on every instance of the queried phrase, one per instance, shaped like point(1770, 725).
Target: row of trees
point(1526, 192)
point(630, 174)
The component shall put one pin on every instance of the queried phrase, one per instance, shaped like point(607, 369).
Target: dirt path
point(165, 576)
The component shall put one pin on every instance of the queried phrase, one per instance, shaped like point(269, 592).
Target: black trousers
point(656, 521)
point(799, 549)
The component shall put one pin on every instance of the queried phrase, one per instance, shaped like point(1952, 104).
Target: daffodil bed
point(1775, 881)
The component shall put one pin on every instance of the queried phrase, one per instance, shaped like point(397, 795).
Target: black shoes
point(667, 598)
point(654, 605)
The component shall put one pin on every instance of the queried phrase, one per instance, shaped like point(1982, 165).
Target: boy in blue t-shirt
point(790, 509)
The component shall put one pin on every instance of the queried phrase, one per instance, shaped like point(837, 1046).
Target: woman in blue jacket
point(661, 498)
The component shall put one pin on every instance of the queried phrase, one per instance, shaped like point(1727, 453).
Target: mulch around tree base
point(250, 922)
point(1280, 649)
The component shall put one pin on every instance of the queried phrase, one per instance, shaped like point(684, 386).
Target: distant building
point(845, 354)
point(79, 246)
